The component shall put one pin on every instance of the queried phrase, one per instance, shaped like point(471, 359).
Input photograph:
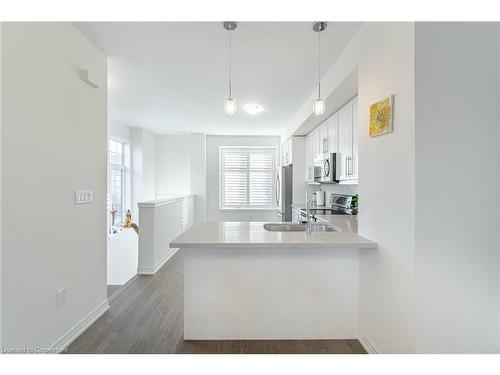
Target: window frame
point(248, 207)
point(124, 169)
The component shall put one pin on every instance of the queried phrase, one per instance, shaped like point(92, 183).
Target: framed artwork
point(381, 116)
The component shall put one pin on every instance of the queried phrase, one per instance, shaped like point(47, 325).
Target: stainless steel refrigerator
point(285, 198)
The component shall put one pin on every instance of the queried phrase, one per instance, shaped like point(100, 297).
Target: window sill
point(270, 209)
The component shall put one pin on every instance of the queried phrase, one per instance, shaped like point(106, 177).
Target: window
point(118, 181)
point(247, 177)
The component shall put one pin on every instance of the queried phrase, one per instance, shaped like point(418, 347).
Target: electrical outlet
point(83, 196)
point(61, 297)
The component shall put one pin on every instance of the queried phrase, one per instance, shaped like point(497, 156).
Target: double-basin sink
point(295, 227)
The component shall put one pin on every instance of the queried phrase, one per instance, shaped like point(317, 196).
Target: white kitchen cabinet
point(348, 141)
point(286, 152)
point(345, 140)
point(323, 138)
point(355, 125)
point(308, 158)
point(316, 152)
point(339, 134)
point(333, 133)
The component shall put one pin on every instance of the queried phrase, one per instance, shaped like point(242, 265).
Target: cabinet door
point(286, 153)
point(308, 158)
point(333, 134)
point(355, 125)
point(315, 143)
point(323, 138)
point(345, 140)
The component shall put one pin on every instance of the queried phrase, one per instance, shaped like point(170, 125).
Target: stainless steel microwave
point(318, 170)
point(330, 168)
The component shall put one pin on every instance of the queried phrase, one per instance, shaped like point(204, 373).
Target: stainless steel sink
point(293, 227)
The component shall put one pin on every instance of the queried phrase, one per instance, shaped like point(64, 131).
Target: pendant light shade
point(230, 103)
point(230, 106)
point(319, 106)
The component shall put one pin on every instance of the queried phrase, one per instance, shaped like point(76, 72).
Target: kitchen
point(315, 237)
point(296, 187)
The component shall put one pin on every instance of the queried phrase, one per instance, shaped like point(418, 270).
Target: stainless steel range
point(338, 205)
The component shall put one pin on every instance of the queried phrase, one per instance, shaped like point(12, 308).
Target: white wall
point(213, 144)
point(386, 187)
point(119, 129)
point(53, 142)
point(457, 187)
point(149, 166)
point(122, 257)
point(143, 161)
point(173, 164)
point(198, 176)
point(1, 242)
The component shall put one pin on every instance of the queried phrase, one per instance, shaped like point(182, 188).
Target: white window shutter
point(247, 177)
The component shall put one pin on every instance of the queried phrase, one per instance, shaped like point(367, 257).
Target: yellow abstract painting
point(381, 117)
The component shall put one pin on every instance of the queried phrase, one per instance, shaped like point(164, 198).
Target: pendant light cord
point(230, 58)
point(319, 64)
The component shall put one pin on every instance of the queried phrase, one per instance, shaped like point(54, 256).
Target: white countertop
point(253, 235)
point(348, 223)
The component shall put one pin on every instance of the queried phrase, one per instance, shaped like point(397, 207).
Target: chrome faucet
point(308, 219)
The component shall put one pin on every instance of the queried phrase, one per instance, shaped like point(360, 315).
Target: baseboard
point(158, 265)
point(368, 344)
point(70, 336)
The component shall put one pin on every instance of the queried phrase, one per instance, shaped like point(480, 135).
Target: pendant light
point(230, 103)
point(319, 106)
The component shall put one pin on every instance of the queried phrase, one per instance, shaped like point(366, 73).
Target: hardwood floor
point(146, 317)
point(112, 289)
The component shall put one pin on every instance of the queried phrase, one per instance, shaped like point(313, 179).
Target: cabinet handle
point(347, 166)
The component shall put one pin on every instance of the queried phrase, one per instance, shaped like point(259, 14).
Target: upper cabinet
point(315, 140)
point(323, 139)
point(333, 133)
point(308, 158)
point(339, 134)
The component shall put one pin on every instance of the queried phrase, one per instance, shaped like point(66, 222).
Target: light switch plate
point(83, 196)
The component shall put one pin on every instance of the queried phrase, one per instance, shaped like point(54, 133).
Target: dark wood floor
point(145, 316)
point(112, 289)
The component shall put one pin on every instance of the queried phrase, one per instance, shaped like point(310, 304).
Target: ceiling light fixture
point(230, 103)
point(253, 109)
point(319, 106)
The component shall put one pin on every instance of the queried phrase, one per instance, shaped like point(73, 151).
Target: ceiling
point(172, 77)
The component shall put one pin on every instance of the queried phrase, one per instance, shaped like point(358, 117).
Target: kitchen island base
point(270, 293)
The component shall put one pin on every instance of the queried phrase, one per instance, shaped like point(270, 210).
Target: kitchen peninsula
point(242, 281)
